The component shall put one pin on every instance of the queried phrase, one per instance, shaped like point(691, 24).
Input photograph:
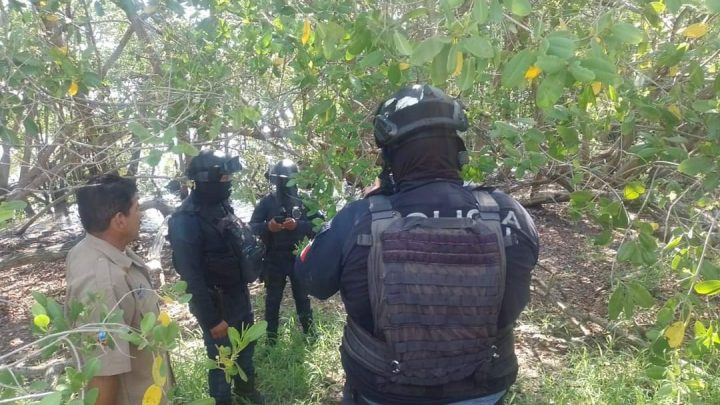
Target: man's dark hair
point(101, 198)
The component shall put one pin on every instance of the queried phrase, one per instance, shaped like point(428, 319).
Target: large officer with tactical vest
point(433, 273)
point(210, 252)
point(281, 220)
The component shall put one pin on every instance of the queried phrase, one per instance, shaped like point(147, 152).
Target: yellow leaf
point(167, 299)
point(164, 318)
point(277, 61)
point(675, 110)
point(41, 321)
point(153, 395)
point(675, 334)
point(596, 87)
point(532, 72)
point(458, 64)
point(673, 71)
point(307, 29)
point(655, 226)
point(63, 49)
point(404, 66)
point(696, 30)
point(52, 17)
point(73, 89)
point(158, 378)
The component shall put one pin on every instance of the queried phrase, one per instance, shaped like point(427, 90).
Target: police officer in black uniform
point(203, 258)
point(281, 221)
point(417, 131)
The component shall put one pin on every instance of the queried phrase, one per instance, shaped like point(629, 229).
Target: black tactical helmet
point(414, 108)
point(212, 165)
point(283, 169)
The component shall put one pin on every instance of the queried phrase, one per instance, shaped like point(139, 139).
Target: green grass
point(297, 372)
point(294, 371)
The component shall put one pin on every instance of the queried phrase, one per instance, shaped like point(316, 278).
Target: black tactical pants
point(278, 267)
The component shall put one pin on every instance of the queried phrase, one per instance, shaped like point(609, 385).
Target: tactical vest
point(436, 287)
point(243, 260)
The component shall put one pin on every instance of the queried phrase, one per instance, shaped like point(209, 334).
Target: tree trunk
point(5, 169)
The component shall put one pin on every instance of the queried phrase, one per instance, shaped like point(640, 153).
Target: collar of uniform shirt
point(122, 259)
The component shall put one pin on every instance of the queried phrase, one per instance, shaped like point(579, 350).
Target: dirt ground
point(572, 273)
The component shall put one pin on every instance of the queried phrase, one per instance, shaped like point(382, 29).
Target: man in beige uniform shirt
point(101, 265)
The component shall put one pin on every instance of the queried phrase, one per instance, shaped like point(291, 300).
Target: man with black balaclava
point(281, 221)
point(433, 273)
point(205, 260)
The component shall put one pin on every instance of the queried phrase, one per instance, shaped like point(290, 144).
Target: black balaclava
point(287, 195)
point(212, 192)
point(426, 158)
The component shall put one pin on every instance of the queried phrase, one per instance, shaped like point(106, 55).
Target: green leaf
point(561, 44)
point(604, 70)
point(153, 158)
point(372, 59)
point(615, 305)
point(426, 50)
point(139, 131)
point(641, 295)
point(478, 46)
point(394, 74)
point(53, 399)
point(234, 336)
point(480, 12)
point(170, 134)
point(438, 69)
point(713, 5)
point(361, 40)
point(581, 74)
point(581, 198)
point(627, 250)
point(402, 44)
point(91, 368)
point(147, 323)
point(520, 8)
point(91, 396)
point(628, 33)
point(467, 76)
point(255, 332)
point(38, 309)
point(550, 90)
point(708, 287)
point(634, 190)
point(655, 372)
point(695, 165)
point(514, 71)
point(185, 148)
point(550, 64)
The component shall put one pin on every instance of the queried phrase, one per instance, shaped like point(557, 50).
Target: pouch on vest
point(243, 244)
point(436, 287)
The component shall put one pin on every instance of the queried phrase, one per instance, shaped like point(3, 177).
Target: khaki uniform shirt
point(95, 267)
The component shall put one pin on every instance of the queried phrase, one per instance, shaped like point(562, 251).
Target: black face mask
point(213, 192)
